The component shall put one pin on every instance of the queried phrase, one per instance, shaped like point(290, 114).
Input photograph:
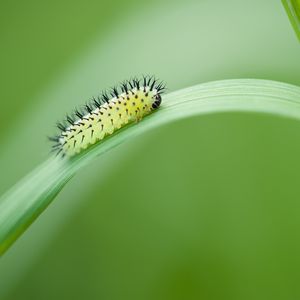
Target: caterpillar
point(102, 116)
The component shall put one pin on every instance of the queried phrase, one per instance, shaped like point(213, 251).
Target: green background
point(205, 208)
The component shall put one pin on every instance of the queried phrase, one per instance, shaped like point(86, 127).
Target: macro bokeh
point(203, 208)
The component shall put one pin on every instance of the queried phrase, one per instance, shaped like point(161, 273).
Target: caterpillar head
point(156, 101)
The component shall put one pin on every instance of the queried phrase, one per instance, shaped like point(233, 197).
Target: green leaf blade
point(20, 206)
point(292, 8)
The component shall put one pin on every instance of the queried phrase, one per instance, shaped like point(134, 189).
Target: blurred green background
point(213, 210)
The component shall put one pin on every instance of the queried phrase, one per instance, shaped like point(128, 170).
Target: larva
point(129, 103)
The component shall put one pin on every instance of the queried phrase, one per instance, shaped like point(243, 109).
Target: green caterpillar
point(104, 115)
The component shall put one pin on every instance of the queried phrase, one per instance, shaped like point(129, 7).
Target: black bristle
point(149, 80)
point(131, 84)
point(61, 126)
point(114, 92)
point(100, 100)
point(160, 87)
point(152, 85)
point(105, 97)
point(97, 103)
point(124, 87)
point(59, 152)
point(136, 83)
point(78, 114)
point(54, 138)
point(56, 146)
point(70, 119)
point(88, 108)
point(144, 81)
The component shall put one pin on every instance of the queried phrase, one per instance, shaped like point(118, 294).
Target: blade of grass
point(292, 8)
point(20, 206)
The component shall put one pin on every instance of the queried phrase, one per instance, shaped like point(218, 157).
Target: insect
point(128, 103)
